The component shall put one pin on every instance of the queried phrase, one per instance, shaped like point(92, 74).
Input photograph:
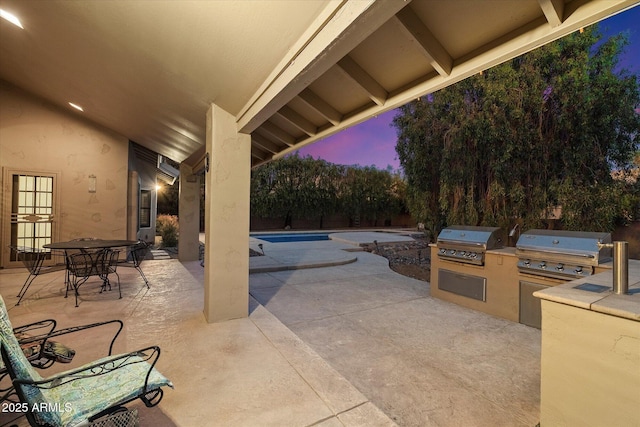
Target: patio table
point(90, 248)
point(89, 244)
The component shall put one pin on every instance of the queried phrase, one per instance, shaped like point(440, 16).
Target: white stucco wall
point(37, 136)
point(590, 367)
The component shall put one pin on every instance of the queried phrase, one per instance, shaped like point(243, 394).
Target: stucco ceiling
point(291, 71)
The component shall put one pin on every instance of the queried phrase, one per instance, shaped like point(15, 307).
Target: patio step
point(159, 254)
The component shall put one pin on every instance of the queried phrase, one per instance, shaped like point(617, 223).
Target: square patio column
point(189, 215)
point(226, 254)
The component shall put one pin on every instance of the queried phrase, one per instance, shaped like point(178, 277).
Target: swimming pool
point(291, 237)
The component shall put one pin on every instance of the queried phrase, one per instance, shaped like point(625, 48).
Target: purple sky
point(370, 143)
point(373, 142)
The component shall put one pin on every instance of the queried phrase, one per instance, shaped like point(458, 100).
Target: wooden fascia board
point(510, 46)
point(352, 23)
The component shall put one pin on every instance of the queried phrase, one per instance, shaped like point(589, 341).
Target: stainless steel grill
point(561, 254)
point(467, 244)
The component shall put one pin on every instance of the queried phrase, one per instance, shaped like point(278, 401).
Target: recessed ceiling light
point(76, 106)
point(11, 18)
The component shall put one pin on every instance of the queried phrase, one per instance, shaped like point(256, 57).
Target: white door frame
point(9, 217)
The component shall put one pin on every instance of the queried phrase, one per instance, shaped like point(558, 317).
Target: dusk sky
point(373, 142)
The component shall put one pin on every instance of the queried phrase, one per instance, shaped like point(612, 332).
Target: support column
point(132, 206)
point(189, 215)
point(226, 268)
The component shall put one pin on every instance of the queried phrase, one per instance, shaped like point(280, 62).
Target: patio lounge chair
point(34, 260)
point(87, 393)
point(42, 351)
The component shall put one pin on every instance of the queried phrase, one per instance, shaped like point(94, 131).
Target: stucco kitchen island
point(590, 359)
point(499, 293)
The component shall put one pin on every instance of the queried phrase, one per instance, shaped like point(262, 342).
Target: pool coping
point(278, 266)
point(298, 255)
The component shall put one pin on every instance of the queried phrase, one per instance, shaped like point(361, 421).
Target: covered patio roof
point(290, 72)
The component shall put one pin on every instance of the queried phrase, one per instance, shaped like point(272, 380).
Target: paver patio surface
point(353, 344)
point(423, 361)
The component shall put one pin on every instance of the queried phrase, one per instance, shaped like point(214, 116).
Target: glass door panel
point(32, 211)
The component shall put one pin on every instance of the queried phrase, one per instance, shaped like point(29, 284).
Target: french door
point(30, 212)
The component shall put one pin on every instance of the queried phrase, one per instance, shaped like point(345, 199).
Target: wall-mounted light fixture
point(92, 183)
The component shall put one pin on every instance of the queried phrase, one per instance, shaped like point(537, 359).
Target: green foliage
point(514, 142)
point(167, 227)
point(368, 193)
point(307, 188)
point(168, 199)
point(294, 186)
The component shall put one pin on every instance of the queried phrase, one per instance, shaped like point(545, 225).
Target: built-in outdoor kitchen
point(471, 266)
point(580, 288)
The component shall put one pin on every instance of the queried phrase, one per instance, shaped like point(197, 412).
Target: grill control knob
point(543, 265)
point(578, 270)
point(462, 253)
point(443, 251)
point(560, 267)
point(527, 263)
point(452, 251)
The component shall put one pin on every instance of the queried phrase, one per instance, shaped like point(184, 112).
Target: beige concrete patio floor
point(348, 345)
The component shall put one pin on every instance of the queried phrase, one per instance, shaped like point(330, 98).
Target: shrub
point(167, 227)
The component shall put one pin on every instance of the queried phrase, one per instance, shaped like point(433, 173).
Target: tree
point(294, 187)
point(367, 193)
point(512, 143)
point(313, 189)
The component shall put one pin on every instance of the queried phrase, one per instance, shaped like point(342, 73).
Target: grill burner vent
point(561, 254)
point(467, 244)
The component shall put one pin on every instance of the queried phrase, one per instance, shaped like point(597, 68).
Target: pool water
point(292, 237)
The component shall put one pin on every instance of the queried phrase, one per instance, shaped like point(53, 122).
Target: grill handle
point(546, 251)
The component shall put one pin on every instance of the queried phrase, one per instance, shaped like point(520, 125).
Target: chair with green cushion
point(90, 392)
point(38, 346)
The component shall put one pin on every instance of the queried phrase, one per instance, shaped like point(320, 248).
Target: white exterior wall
point(590, 366)
point(37, 136)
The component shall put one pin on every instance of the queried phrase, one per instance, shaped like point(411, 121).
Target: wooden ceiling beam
point(259, 154)
point(430, 46)
point(553, 11)
point(320, 106)
point(374, 90)
point(348, 25)
point(264, 143)
point(278, 133)
point(297, 120)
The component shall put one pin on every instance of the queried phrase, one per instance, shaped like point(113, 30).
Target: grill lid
point(579, 247)
point(484, 238)
point(467, 244)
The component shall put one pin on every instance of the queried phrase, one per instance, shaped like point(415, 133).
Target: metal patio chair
point(106, 264)
point(135, 256)
point(33, 260)
point(94, 390)
point(80, 266)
